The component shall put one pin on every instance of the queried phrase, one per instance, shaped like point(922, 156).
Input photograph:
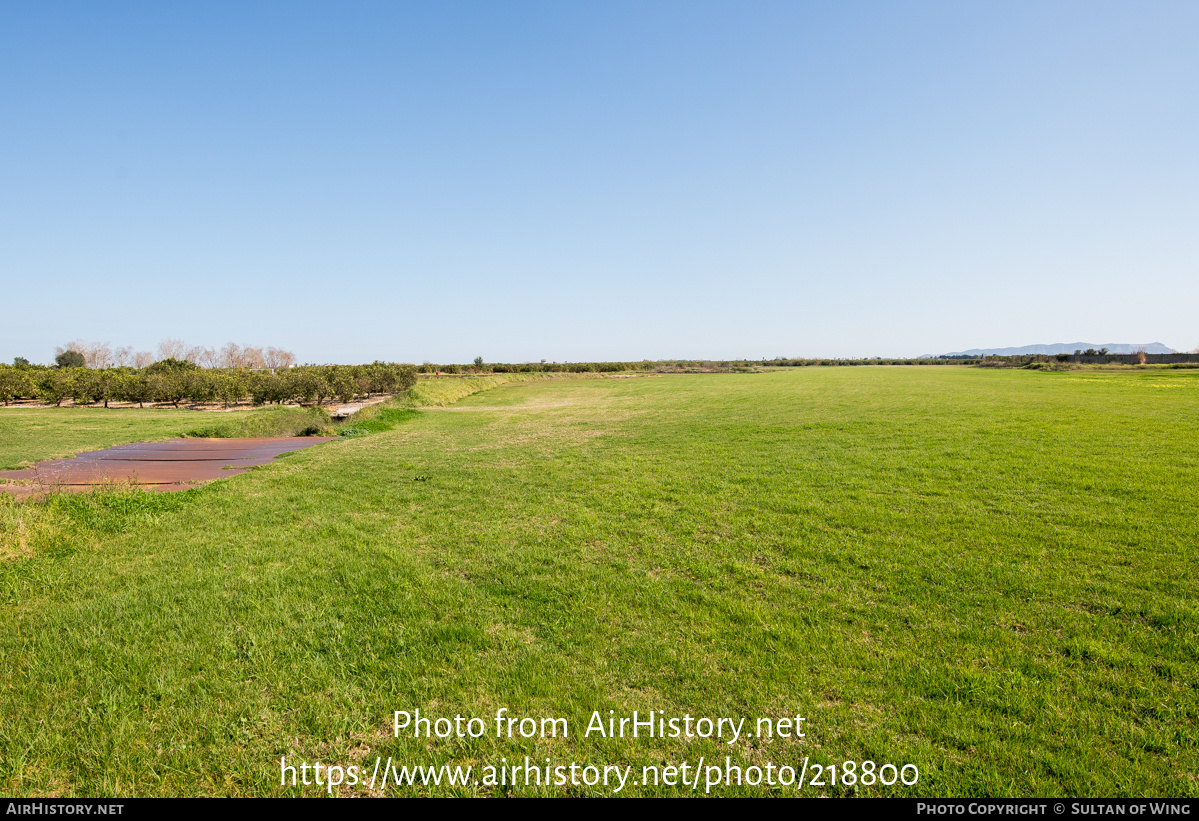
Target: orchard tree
point(54, 384)
point(230, 387)
point(14, 383)
point(199, 385)
point(168, 386)
point(135, 387)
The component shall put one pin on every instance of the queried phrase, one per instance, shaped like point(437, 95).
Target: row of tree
point(540, 367)
point(83, 354)
point(668, 366)
point(176, 381)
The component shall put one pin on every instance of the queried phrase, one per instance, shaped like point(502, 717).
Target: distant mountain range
point(1060, 347)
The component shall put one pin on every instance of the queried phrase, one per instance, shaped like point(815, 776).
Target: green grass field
point(30, 435)
point(987, 574)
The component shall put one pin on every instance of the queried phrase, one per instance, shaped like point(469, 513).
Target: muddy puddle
point(172, 465)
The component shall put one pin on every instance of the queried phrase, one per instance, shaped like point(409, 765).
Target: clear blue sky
point(598, 180)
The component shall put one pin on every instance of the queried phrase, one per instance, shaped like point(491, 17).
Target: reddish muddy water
point(172, 465)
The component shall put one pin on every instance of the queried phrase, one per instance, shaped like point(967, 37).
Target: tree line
point(175, 381)
point(269, 376)
point(83, 354)
point(679, 365)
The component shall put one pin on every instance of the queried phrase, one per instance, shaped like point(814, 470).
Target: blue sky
point(597, 181)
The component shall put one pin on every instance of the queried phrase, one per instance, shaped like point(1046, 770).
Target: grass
point(30, 435)
point(286, 420)
point(433, 392)
point(66, 522)
point(988, 574)
point(375, 420)
point(445, 390)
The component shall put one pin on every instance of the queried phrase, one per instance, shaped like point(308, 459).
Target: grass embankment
point(438, 391)
point(286, 420)
point(434, 392)
point(988, 574)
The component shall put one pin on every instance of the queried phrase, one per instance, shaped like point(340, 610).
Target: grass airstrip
point(988, 574)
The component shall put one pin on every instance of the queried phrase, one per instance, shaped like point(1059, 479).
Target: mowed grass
point(987, 574)
point(438, 391)
point(29, 435)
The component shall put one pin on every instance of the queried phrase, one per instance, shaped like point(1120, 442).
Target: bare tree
point(77, 345)
point(171, 349)
point(230, 355)
point(98, 355)
point(208, 358)
point(274, 357)
point(95, 354)
point(251, 357)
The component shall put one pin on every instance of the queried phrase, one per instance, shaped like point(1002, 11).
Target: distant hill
point(1063, 347)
